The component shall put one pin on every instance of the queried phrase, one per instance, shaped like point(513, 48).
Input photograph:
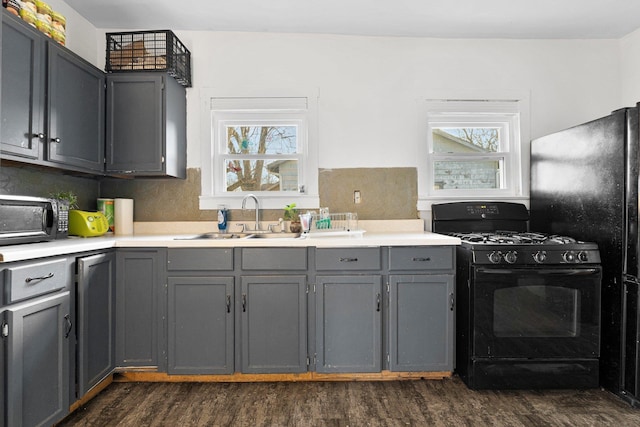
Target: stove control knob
point(511, 257)
point(540, 256)
point(582, 256)
point(569, 256)
point(495, 257)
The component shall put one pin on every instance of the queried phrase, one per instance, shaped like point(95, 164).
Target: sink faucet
point(257, 203)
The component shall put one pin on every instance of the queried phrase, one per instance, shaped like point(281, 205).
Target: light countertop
point(78, 244)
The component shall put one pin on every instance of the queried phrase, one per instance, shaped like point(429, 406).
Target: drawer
point(348, 259)
point(421, 258)
point(274, 259)
point(28, 280)
point(203, 259)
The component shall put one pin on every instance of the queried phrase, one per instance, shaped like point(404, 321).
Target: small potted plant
point(291, 218)
point(69, 196)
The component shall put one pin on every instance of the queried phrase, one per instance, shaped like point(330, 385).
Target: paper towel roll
point(123, 216)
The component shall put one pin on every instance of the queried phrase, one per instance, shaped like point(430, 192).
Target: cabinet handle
point(378, 301)
point(38, 135)
point(348, 259)
point(452, 301)
point(228, 303)
point(67, 317)
point(56, 140)
point(421, 259)
point(31, 279)
point(244, 303)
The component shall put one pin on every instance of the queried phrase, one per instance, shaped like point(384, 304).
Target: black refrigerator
point(584, 184)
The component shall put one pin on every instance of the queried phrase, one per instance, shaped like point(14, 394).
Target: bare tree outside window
point(260, 158)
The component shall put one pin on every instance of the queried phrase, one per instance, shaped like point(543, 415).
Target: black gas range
point(527, 303)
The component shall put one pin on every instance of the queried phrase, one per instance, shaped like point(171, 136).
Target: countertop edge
point(75, 245)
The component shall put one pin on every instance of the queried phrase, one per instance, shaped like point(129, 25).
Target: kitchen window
point(474, 150)
point(261, 145)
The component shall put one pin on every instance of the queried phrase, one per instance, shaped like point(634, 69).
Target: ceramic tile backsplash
point(386, 193)
point(29, 181)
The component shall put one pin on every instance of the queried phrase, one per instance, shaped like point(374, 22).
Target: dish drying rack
point(333, 224)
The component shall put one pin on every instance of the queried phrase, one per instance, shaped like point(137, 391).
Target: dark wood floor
point(385, 403)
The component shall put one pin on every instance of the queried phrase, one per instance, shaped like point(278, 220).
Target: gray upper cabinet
point(146, 125)
point(95, 319)
point(22, 110)
point(52, 102)
point(75, 111)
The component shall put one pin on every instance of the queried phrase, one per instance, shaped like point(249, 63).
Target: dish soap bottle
point(223, 217)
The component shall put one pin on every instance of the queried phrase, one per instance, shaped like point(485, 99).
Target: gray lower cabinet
point(200, 311)
point(421, 313)
point(349, 308)
point(274, 323)
point(421, 308)
point(35, 330)
point(200, 325)
point(96, 320)
point(146, 125)
point(139, 298)
point(349, 323)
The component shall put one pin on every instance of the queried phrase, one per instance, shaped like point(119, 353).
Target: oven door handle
point(550, 271)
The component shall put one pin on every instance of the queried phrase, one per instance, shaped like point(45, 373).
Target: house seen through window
point(474, 149)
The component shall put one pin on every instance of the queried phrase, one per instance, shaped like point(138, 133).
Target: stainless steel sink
point(271, 235)
point(214, 235)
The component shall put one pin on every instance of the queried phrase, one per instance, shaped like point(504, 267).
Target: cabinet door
point(138, 320)
point(75, 111)
point(38, 361)
point(349, 323)
point(421, 315)
point(96, 319)
point(200, 325)
point(22, 108)
point(274, 324)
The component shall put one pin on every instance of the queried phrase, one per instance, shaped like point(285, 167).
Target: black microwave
point(25, 219)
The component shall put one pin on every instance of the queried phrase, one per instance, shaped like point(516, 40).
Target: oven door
point(543, 312)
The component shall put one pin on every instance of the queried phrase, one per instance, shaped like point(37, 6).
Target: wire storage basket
point(333, 222)
point(158, 50)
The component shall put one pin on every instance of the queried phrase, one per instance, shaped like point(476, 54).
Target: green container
point(106, 207)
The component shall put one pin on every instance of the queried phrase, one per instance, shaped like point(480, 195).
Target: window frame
point(510, 113)
point(221, 108)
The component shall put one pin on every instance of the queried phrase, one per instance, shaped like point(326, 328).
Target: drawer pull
point(378, 302)
point(420, 259)
point(244, 303)
point(228, 303)
point(31, 279)
point(348, 259)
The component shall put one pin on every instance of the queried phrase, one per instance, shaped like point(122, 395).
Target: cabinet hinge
point(308, 361)
point(5, 329)
point(388, 288)
point(162, 160)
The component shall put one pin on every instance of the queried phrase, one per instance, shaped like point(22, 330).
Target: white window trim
point(511, 104)
point(248, 101)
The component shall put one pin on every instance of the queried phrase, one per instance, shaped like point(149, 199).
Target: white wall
point(371, 88)
point(630, 68)
point(81, 34)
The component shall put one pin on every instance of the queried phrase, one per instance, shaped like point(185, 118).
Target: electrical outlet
point(356, 197)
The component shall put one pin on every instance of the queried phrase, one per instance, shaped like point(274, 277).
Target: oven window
point(536, 311)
